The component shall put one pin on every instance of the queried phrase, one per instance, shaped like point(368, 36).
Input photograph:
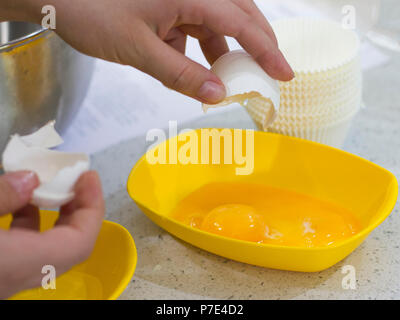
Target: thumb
point(16, 190)
point(180, 73)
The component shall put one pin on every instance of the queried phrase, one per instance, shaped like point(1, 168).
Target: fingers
point(252, 10)
point(178, 72)
point(177, 40)
point(214, 47)
point(16, 190)
point(70, 242)
point(212, 44)
point(26, 218)
point(265, 52)
point(79, 223)
point(86, 211)
point(228, 19)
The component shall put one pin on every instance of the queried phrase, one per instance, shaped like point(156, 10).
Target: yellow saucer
point(104, 275)
point(366, 189)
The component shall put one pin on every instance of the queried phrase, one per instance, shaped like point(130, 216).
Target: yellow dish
point(329, 174)
point(104, 275)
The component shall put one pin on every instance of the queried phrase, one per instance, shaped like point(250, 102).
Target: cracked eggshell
point(245, 80)
point(45, 137)
point(57, 171)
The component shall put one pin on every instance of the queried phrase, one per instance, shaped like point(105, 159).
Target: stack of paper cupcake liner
point(325, 95)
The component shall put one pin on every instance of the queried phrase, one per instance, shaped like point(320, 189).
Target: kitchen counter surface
point(169, 268)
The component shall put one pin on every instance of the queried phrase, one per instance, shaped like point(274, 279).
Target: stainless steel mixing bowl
point(41, 78)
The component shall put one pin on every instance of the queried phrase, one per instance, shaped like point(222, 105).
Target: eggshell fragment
point(244, 81)
point(57, 171)
point(45, 137)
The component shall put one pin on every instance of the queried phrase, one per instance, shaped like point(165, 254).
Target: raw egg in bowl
point(262, 198)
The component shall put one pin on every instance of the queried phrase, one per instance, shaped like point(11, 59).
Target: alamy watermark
point(362, 15)
point(349, 19)
point(349, 281)
point(49, 280)
point(205, 146)
point(49, 20)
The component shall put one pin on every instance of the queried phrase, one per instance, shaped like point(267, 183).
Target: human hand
point(150, 35)
point(24, 251)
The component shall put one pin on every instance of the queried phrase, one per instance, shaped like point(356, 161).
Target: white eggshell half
point(57, 171)
point(244, 79)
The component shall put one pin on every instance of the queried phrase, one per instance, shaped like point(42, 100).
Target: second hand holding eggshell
point(57, 171)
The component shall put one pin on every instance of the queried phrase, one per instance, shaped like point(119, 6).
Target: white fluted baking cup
point(327, 112)
point(245, 81)
point(302, 97)
point(325, 59)
point(325, 108)
point(321, 101)
point(333, 134)
point(314, 45)
point(324, 114)
point(288, 120)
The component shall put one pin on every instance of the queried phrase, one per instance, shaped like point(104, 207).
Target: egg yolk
point(263, 214)
point(235, 221)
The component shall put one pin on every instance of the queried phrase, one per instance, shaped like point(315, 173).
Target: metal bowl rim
point(24, 39)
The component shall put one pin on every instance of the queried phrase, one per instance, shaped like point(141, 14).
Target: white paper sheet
point(123, 102)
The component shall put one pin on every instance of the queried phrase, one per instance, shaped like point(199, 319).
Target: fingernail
point(22, 182)
point(211, 92)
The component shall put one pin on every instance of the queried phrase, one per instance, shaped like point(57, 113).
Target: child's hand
point(150, 35)
point(24, 251)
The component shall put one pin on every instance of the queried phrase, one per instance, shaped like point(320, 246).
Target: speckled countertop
point(168, 268)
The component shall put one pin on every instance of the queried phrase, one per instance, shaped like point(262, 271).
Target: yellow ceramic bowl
point(279, 161)
point(104, 275)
